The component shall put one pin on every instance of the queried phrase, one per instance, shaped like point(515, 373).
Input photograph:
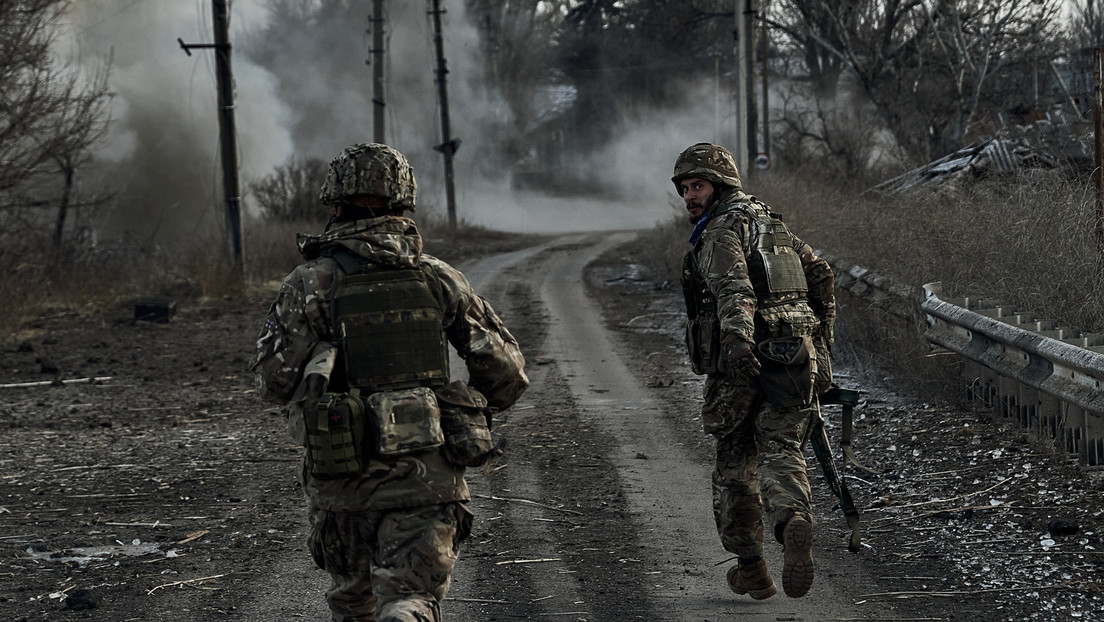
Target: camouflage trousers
point(390, 566)
point(759, 463)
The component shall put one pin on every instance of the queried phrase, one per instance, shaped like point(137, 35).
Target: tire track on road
point(667, 488)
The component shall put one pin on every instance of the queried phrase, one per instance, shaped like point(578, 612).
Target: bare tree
point(926, 65)
point(517, 39)
point(834, 133)
point(625, 57)
point(49, 116)
point(1087, 29)
point(811, 33)
point(291, 192)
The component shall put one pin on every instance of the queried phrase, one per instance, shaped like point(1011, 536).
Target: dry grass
point(96, 278)
point(1027, 242)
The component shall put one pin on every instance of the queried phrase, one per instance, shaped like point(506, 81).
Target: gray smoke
point(304, 89)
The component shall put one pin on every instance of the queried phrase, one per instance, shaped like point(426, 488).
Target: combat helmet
point(370, 169)
point(707, 161)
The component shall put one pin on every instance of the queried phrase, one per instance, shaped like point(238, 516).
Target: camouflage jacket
point(721, 255)
point(295, 355)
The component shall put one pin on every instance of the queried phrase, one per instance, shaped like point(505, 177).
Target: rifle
point(823, 451)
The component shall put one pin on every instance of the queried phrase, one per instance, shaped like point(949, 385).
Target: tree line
point(932, 74)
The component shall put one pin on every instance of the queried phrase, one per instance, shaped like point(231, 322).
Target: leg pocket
point(324, 542)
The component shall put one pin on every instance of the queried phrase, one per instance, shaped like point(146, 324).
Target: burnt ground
point(165, 490)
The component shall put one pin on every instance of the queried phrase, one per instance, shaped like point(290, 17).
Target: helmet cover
point(370, 169)
point(707, 161)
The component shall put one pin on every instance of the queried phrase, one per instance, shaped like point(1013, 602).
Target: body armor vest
point(776, 274)
point(774, 266)
point(388, 325)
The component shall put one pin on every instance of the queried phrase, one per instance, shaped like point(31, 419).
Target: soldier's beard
point(704, 210)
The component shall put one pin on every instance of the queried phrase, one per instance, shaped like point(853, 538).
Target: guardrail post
point(1048, 378)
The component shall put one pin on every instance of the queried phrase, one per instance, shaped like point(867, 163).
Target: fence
point(1048, 378)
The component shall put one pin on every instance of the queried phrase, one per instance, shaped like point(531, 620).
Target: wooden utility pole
point(763, 49)
point(1098, 127)
point(448, 145)
point(227, 133)
point(739, 150)
point(748, 68)
point(378, 101)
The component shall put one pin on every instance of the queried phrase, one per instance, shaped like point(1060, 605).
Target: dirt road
point(669, 565)
point(167, 491)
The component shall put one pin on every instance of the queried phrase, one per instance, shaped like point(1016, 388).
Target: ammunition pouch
point(466, 422)
point(703, 342)
point(404, 421)
point(345, 430)
point(789, 366)
point(335, 435)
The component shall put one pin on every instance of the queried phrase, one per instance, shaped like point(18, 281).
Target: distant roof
point(1049, 143)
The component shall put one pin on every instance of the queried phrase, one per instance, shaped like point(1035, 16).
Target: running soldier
point(356, 346)
point(760, 309)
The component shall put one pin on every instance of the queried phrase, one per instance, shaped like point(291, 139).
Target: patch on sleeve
point(270, 324)
point(722, 261)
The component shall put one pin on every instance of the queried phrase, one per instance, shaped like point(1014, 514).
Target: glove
point(740, 360)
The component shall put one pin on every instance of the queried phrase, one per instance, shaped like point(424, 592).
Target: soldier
point(356, 346)
point(761, 310)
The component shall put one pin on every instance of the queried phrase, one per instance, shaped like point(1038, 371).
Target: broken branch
point(515, 500)
point(185, 582)
point(45, 383)
point(528, 561)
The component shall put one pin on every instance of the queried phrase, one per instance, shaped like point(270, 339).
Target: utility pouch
point(703, 341)
point(405, 421)
point(466, 424)
point(788, 367)
point(335, 433)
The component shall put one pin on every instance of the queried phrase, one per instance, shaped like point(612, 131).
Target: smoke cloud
point(304, 89)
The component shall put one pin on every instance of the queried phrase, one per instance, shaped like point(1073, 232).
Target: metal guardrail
point(1048, 378)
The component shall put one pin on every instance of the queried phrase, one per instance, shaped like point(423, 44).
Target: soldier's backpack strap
point(349, 262)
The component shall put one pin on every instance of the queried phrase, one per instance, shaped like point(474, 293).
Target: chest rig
point(387, 323)
point(776, 275)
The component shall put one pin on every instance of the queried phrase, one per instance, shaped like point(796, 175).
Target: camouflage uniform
point(759, 445)
point(388, 536)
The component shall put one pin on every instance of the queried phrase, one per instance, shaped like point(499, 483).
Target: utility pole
point(746, 121)
point(378, 101)
point(448, 144)
point(748, 67)
point(739, 150)
point(764, 44)
point(1098, 132)
point(227, 136)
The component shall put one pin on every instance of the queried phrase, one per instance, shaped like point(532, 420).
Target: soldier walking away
point(356, 346)
point(761, 309)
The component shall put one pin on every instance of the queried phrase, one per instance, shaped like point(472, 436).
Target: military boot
point(752, 579)
point(797, 557)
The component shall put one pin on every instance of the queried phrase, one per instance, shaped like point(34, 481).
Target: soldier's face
point(697, 193)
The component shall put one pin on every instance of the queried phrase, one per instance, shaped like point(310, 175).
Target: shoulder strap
point(347, 260)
